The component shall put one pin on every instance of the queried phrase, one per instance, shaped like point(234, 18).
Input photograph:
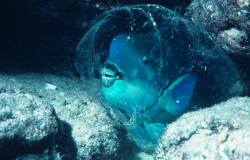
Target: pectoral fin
point(154, 130)
point(179, 94)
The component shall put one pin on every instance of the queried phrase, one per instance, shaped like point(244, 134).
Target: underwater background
point(129, 80)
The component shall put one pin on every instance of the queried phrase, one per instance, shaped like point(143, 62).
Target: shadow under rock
point(60, 143)
point(243, 66)
point(65, 143)
point(10, 149)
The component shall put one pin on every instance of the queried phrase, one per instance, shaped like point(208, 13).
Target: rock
point(219, 132)
point(25, 122)
point(86, 131)
point(232, 40)
point(92, 130)
point(228, 22)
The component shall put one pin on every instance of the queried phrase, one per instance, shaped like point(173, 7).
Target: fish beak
point(109, 74)
point(107, 82)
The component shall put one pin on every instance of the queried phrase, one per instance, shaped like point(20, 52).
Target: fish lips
point(107, 81)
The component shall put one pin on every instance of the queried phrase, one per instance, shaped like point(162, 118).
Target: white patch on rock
point(49, 86)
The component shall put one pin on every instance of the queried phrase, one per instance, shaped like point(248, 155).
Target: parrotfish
point(144, 100)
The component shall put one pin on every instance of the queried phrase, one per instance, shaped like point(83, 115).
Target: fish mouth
point(108, 77)
point(110, 74)
point(107, 82)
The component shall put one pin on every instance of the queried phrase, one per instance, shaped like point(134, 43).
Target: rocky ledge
point(220, 132)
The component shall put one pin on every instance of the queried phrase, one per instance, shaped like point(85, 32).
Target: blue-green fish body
point(134, 94)
point(144, 98)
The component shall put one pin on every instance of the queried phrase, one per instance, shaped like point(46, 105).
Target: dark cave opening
point(42, 36)
point(30, 43)
point(19, 34)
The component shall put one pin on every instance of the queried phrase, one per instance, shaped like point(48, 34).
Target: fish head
point(126, 94)
point(127, 81)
